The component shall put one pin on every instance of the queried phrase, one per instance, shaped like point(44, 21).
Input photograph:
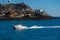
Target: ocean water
point(8, 33)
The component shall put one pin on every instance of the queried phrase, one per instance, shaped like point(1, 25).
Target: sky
point(51, 7)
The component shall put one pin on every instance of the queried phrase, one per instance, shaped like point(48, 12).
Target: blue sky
point(51, 7)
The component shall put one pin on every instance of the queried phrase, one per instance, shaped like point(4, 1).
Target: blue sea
point(8, 33)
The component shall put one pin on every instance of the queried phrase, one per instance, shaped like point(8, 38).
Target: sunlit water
point(8, 33)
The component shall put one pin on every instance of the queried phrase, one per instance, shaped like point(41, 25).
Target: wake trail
point(34, 27)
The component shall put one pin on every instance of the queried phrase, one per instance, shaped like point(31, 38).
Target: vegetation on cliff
point(21, 10)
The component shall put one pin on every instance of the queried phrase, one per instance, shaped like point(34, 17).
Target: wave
point(20, 27)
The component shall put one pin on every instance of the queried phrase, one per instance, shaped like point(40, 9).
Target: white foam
point(20, 27)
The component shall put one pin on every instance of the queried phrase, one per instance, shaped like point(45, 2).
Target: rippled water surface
point(8, 33)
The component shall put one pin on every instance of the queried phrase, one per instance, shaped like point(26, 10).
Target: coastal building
point(37, 13)
point(43, 13)
point(27, 14)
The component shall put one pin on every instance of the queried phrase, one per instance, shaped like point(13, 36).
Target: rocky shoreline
point(27, 18)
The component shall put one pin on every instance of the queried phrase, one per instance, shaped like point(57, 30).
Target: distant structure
point(9, 1)
point(37, 12)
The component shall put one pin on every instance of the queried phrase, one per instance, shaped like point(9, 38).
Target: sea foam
point(34, 27)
